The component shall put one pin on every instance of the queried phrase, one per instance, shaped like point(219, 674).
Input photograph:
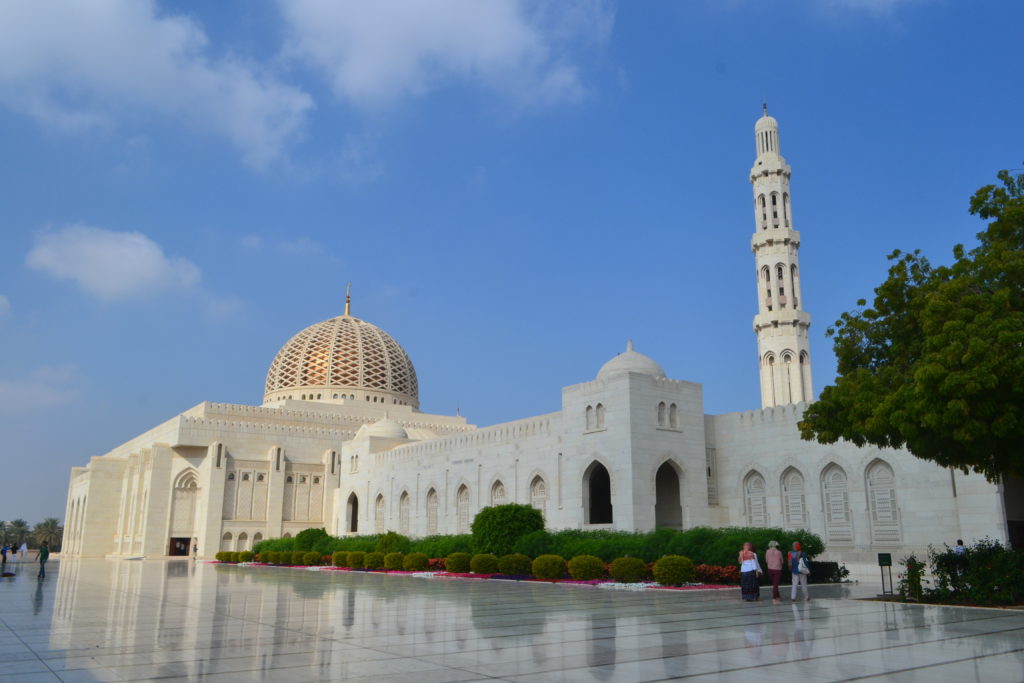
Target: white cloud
point(252, 242)
point(45, 387)
point(110, 265)
point(302, 246)
point(376, 52)
point(80, 65)
point(5, 305)
point(878, 7)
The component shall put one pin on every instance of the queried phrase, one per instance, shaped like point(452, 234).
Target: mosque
point(339, 442)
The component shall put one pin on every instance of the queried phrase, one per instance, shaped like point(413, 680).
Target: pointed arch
point(225, 541)
point(597, 494)
point(462, 509)
point(539, 495)
point(352, 513)
point(794, 506)
point(590, 417)
point(404, 511)
point(668, 508)
point(835, 491)
point(243, 541)
point(754, 499)
point(805, 376)
point(599, 415)
point(498, 495)
point(379, 513)
point(662, 414)
point(673, 416)
point(882, 505)
point(432, 509)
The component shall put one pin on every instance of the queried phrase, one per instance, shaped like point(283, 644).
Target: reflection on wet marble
point(117, 620)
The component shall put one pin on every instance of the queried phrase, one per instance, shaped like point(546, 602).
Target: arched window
point(378, 514)
point(794, 281)
point(231, 476)
point(754, 500)
point(599, 415)
point(498, 493)
point(539, 495)
point(290, 479)
point(404, 506)
point(183, 504)
point(789, 380)
point(764, 212)
point(256, 538)
point(661, 414)
point(884, 512)
point(775, 209)
point(793, 501)
point(785, 208)
point(597, 495)
point(836, 493)
point(245, 476)
point(462, 509)
point(590, 417)
point(432, 505)
point(673, 416)
point(225, 541)
point(243, 541)
point(771, 396)
point(352, 509)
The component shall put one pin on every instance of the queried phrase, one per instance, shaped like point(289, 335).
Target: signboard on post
point(884, 559)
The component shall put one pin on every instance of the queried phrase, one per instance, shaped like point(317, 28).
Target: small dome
point(384, 429)
point(630, 361)
point(766, 123)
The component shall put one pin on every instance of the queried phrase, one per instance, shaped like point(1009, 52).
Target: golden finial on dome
point(348, 299)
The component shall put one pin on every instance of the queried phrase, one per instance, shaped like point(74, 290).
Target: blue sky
point(514, 188)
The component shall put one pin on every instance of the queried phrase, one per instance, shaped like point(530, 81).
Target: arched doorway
point(668, 509)
point(597, 494)
point(352, 509)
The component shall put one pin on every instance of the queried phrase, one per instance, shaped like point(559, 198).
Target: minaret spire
point(781, 324)
point(348, 299)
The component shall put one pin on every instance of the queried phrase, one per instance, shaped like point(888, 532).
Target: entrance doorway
point(179, 546)
point(597, 489)
point(353, 513)
point(1013, 503)
point(668, 512)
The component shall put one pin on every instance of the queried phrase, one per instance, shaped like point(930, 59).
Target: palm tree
point(48, 530)
point(17, 532)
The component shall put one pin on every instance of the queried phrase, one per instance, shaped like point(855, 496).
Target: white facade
point(340, 443)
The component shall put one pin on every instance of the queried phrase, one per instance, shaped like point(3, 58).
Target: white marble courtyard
point(118, 620)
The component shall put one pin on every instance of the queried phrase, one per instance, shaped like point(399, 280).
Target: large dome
point(341, 359)
point(630, 361)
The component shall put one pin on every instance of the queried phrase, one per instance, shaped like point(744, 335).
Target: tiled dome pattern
point(344, 353)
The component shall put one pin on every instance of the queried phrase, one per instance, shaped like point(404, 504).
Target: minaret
point(781, 324)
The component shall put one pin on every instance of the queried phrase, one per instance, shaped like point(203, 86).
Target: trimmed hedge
point(312, 558)
point(356, 559)
point(393, 561)
point(392, 542)
point(483, 563)
point(496, 529)
point(515, 564)
point(549, 567)
point(374, 560)
point(297, 557)
point(674, 570)
point(339, 558)
point(245, 556)
point(223, 556)
point(458, 563)
point(586, 567)
point(415, 562)
point(628, 570)
point(307, 539)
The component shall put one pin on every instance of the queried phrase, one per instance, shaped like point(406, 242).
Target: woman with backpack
point(798, 566)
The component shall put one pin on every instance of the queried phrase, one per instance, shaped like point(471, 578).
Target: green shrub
point(312, 558)
point(535, 544)
point(278, 544)
point(297, 557)
point(245, 556)
point(271, 556)
point(234, 556)
point(356, 559)
point(393, 561)
point(910, 584)
point(515, 564)
point(985, 574)
point(628, 570)
point(374, 560)
point(674, 570)
point(307, 538)
point(392, 542)
point(221, 556)
point(263, 557)
point(339, 558)
point(458, 563)
point(483, 563)
point(586, 567)
point(415, 562)
point(497, 529)
point(549, 567)
point(442, 546)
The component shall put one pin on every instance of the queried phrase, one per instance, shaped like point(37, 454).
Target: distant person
point(798, 566)
point(195, 551)
point(44, 555)
point(3, 551)
point(773, 560)
point(959, 548)
point(750, 570)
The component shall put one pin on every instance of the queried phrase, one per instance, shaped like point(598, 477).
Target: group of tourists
point(751, 572)
point(11, 555)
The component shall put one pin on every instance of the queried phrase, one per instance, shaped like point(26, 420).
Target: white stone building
point(340, 442)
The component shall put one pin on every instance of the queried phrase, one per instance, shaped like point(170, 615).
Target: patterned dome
point(343, 358)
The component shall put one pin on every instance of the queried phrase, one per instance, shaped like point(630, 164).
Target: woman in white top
point(750, 571)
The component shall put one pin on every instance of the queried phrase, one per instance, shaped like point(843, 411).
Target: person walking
point(773, 560)
point(750, 570)
point(3, 551)
point(44, 555)
point(959, 548)
point(800, 570)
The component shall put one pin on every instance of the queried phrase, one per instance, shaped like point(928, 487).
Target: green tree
point(17, 531)
point(48, 530)
point(936, 363)
point(3, 532)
